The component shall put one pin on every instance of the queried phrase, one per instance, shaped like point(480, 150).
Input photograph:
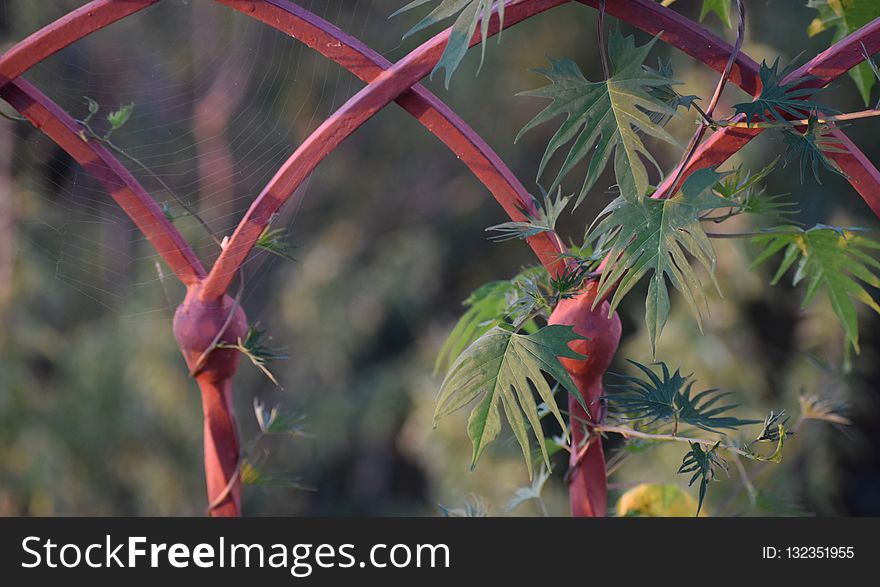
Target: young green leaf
point(503, 367)
point(254, 348)
point(846, 16)
point(704, 465)
point(487, 308)
point(93, 108)
point(669, 399)
point(604, 117)
point(748, 196)
point(719, 7)
point(251, 475)
point(533, 491)
point(657, 235)
point(475, 507)
point(272, 241)
point(833, 258)
point(470, 13)
point(544, 220)
point(809, 148)
point(273, 421)
point(779, 99)
point(118, 118)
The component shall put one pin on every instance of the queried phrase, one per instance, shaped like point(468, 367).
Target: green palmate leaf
point(704, 465)
point(809, 148)
point(502, 367)
point(118, 118)
point(604, 117)
point(667, 93)
point(272, 241)
point(719, 7)
point(835, 259)
point(487, 308)
point(470, 13)
point(254, 347)
point(544, 220)
point(778, 100)
point(844, 17)
point(748, 196)
point(658, 235)
point(668, 398)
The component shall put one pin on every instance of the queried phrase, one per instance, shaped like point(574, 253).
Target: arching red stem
point(588, 492)
point(44, 114)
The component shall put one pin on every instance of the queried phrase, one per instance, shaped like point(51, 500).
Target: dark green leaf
point(835, 259)
point(667, 94)
point(668, 397)
point(779, 101)
point(809, 148)
point(604, 117)
point(502, 368)
point(704, 465)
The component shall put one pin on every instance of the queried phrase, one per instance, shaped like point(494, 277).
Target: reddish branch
point(116, 179)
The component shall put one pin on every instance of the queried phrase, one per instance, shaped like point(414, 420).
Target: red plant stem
point(197, 323)
point(588, 491)
point(221, 448)
point(95, 158)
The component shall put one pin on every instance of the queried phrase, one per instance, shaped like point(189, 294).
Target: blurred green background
point(97, 414)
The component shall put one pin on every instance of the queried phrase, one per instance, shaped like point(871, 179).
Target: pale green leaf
point(829, 258)
point(844, 17)
point(605, 117)
point(487, 307)
point(502, 367)
point(719, 7)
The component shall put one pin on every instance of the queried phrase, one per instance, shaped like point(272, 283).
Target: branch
point(631, 433)
point(113, 176)
point(801, 122)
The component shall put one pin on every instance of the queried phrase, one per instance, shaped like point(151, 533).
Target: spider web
point(220, 102)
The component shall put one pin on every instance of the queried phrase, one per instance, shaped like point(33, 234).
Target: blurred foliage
point(97, 413)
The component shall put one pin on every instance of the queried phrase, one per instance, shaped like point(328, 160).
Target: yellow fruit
point(657, 500)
